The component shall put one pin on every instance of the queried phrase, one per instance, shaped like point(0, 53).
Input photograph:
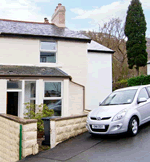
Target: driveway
point(85, 148)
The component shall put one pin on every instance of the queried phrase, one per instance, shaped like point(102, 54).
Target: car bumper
point(111, 127)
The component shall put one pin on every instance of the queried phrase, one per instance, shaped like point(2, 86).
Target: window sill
point(50, 64)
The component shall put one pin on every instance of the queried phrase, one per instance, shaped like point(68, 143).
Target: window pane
point(43, 59)
point(52, 89)
point(55, 105)
point(32, 102)
point(30, 90)
point(48, 57)
point(48, 45)
point(14, 84)
point(120, 97)
point(143, 94)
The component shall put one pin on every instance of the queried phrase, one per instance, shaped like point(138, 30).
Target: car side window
point(148, 89)
point(143, 94)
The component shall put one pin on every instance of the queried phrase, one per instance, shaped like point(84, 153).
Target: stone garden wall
point(63, 128)
point(11, 147)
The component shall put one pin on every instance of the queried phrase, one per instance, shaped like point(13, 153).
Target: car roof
point(133, 87)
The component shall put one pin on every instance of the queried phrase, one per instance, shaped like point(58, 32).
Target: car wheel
point(133, 126)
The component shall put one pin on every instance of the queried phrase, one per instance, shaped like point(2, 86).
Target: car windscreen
point(120, 97)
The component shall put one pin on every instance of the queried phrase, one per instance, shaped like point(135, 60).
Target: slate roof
point(13, 70)
point(38, 29)
point(96, 47)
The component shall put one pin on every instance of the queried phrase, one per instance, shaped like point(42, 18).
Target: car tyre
point(133, 126)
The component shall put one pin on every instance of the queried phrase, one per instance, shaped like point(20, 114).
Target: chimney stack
point(46, 20)
point(58, 17)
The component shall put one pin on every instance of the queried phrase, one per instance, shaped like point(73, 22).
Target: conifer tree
point(135, 28)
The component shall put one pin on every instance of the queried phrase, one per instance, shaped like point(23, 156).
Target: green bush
point(120, 84)
point(37, 112)
point(140, 80)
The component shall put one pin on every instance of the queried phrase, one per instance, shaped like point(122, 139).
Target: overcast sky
point(80, 14)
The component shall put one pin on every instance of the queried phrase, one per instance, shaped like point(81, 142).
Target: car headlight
point(120, 115)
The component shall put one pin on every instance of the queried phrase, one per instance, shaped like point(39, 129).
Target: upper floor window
point(48, 52)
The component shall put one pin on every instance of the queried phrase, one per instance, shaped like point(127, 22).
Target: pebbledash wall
point(63, 128)
point(10, 138)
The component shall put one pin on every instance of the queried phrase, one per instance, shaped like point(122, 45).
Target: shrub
point(37, 112)
point(140, 80)
point(120, 84)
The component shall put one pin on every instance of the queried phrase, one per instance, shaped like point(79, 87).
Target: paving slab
point(70, 148)
point(67, 149)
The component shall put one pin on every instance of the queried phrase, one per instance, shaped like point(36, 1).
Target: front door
point(12, 103)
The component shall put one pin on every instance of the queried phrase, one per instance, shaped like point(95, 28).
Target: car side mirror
point(142, 99)
point(99, 103)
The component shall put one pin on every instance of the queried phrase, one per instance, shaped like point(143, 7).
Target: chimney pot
point(59, 4)
point(46, 20)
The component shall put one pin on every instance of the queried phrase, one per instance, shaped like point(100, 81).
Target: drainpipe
point(20, 143)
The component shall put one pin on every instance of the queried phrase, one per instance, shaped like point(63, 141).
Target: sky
point(80, 14)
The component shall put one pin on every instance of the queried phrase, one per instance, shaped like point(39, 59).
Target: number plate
point(94, 126)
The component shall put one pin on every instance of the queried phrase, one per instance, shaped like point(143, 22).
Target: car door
point(144, 107)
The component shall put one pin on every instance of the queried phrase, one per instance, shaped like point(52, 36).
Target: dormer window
point(48, 52)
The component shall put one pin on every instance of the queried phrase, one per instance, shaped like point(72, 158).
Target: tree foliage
point(111, 34)
point(135, 28)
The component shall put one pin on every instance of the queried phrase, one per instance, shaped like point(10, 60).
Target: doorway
point(12, 103)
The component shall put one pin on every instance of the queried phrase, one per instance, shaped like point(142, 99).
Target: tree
point(111, 34)
point(135, 28)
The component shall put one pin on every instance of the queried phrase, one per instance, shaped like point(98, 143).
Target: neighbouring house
point(99, 80)
point(48, 63)
point(148, 68)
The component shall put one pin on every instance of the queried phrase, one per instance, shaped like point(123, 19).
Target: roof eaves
point(27, 75)
point(101, 51)
point(88, 40)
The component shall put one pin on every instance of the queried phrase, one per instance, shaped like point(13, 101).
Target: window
point(143, 94)
point(30, 92)
point(48, 52)
point(120, 97)
point(148, 89)
point(14, 85)
point(53, 96)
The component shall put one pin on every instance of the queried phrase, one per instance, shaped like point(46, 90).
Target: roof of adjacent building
point(13, 70)
point(148, 62)
point(96, 47)
point(14, 27)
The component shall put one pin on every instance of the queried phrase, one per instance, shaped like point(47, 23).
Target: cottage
point(48, 63)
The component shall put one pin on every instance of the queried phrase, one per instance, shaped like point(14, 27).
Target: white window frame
point(54, 98)
point(54, 51)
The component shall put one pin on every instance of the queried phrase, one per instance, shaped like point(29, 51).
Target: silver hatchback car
point(124, 110)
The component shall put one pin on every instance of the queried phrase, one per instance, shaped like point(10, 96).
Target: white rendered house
point(47, 63)
point(99, 80)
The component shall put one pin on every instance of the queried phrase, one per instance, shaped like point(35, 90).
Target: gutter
point(45, 36)
point(101, 51)
point(32, 76)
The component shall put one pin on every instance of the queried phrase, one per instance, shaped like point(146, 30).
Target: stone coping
point(56, 118)
point(18, 119)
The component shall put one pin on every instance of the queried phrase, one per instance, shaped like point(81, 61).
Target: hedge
point(140, 80)
point(120, 84)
